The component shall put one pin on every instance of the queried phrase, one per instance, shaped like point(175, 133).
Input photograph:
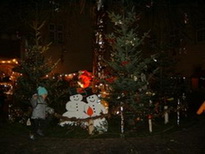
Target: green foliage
point(167, 83)
point(138, 129)
point(34, 68)
point(58, 94)
point(128, 63)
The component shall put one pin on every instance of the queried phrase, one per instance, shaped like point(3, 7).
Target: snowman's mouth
point(76, 99)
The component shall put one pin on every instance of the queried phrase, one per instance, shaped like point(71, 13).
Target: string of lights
point(99, 50)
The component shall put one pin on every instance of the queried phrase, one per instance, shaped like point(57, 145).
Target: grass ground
point(114, 129)
point(188, 137)
point(167, 139)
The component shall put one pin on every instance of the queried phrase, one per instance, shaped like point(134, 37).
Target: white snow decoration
point(96, 109)
point(77, 108)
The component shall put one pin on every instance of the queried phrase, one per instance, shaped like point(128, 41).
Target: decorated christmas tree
point(33, 68)
point(129, 67)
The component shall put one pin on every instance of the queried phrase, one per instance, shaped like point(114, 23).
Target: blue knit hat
point(42, 90)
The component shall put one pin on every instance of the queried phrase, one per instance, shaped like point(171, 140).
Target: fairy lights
point(12, 61)
point(6, 65)
point(98, 71)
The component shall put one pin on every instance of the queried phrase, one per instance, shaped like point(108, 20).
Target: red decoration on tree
point(111, 41)
point(149, 116)
point(123, 63)
point(111, 79)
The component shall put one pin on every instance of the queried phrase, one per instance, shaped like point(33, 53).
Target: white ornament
point(28, 122)
point(150, 125)
point(122, 120)
point(99, 4)
point(166, 115)
point(178, 113)
point(144, 79)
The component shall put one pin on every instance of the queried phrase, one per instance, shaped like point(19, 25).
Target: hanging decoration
point(166, 114)
point(122, 119)
point(178, 112)
point(98, 66)
point(150, 123)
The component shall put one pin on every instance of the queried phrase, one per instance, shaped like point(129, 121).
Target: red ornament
point(123, 63)
point(111, 79)
point(149, 116)
point(111, 41)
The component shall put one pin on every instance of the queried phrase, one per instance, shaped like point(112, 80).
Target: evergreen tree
point(33, 68)
point(128, 67)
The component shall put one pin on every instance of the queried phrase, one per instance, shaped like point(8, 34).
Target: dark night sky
point(13, 12)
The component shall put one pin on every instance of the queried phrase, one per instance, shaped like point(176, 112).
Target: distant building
point(72, 37)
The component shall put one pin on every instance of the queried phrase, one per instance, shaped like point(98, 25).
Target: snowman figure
point(94, 108)
point(75, 108)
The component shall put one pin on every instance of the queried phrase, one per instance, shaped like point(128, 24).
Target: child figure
point(40, 108)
